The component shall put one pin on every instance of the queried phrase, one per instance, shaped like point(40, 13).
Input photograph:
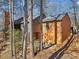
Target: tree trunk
point(30, 19)
point(25, 34)
point(11, 28)
point(14, 43)
point(75, 11)
point(41, 17)
point(13, 47)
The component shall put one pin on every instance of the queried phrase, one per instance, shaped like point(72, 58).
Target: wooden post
point(55, 32)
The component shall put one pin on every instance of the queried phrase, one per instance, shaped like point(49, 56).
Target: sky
point(55, 7)
point(51, 7)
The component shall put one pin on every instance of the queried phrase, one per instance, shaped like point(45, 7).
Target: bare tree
point(75, 11)
point(25, 33)
point(13, 46)
point(30, 19)
point(41, 17)
point(11, 28)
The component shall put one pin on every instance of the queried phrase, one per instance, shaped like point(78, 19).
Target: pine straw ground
point(71, 53)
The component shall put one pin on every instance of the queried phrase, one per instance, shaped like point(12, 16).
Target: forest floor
point(5, 50)
point(71, 53)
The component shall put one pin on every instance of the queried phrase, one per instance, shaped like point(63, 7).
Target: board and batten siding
point(55, 32)
point(66, 27)
point(6, 20)
point(59, 33)
point(49, 35)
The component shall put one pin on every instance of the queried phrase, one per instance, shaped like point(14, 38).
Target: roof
point(60, 17)
point(38, 18)
point(57, 18)
point(20, 20)
point(45, 19)
point(48, 19)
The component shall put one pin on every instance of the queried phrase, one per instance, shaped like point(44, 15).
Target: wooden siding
point(5, 20)
point(49, 35)
point(66, 25)
point(59, 33)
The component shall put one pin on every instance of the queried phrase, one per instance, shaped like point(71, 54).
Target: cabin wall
point(58, 30)
point(36, 27)
point(5, 20)
point(36, 30)
point(66, 25)
point(59, 33)
point(49, 35)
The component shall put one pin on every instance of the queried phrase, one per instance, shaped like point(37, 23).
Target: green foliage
point(18, 39)
point(18, 35)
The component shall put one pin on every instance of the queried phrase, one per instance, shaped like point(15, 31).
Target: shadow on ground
point(58, 54)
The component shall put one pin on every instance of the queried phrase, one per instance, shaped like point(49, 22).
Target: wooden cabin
point(56, 31)
point(6, 20)
point(18, 24)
